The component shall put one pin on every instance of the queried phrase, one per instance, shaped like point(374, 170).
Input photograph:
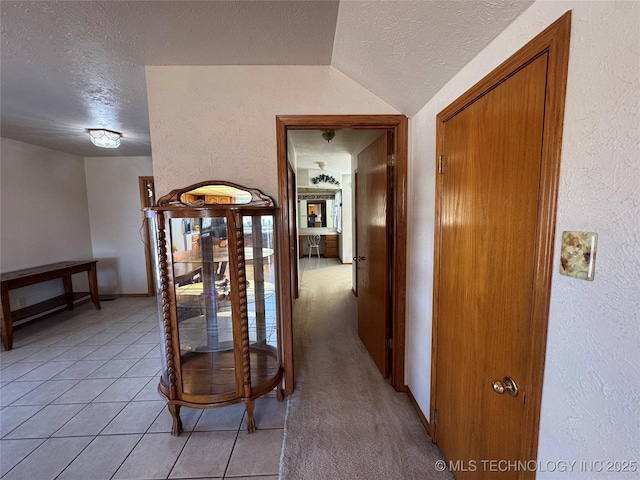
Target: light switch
point(578, 254)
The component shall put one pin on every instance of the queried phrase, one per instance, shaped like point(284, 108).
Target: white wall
point(218, 122)
point(590, 407)
point(116, 221)
point(306, 176)
point(44, 215)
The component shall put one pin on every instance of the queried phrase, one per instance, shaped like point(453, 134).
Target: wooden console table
point(31, 276)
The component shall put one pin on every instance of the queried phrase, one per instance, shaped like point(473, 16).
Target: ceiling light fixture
point(105, 138)
point(328, 135)
point(322, 165)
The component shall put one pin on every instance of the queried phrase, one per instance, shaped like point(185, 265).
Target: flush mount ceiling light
point(328, 135)
point(322, 165)
point(105, 138)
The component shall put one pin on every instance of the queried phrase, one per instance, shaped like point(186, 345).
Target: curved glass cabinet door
point(202, 283)
point(259, 237)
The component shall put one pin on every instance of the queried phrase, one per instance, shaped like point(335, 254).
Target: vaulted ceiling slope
point(405, 51)
point(71, 65)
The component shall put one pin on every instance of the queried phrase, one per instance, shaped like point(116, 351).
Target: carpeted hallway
point(344, 421)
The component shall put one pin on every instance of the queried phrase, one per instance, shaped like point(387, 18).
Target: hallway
point(344, 420)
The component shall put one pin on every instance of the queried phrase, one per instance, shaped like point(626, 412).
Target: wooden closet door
point(490, 190)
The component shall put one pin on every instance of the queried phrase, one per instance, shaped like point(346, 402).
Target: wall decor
point(316, 196)
point(322, 178)
point(578, 254)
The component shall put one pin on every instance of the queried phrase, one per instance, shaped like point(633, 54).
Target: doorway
point(398, 124)
point(147, 199)
point(499, 155)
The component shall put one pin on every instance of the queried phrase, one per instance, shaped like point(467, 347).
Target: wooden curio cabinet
point(216, 276)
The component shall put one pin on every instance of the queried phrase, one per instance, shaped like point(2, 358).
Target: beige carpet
point(344, 421)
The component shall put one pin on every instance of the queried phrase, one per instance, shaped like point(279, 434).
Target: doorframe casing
point(400, 126)
point(554, 40)
point(293, 249)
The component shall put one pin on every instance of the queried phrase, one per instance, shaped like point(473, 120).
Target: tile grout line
point(43, 406)
point(175, 462)
point(141, 435)
point(74, 458)
point(27, 456)
point(4, 437)
point(42, 351)
point(235, 440)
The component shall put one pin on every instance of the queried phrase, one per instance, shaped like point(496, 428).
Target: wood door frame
point(400, 126)
point(151, 289)
point(293, 248)
point(554, 40)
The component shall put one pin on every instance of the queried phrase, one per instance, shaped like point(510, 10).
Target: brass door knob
point(508, 385)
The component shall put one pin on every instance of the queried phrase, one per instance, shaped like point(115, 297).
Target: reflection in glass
point(203, 299)
point(261, 299)
point(203, 296)
point(316, 213)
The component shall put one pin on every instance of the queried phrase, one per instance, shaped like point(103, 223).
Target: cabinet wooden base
point(199, 391)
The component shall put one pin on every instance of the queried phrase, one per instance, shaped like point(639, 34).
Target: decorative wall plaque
point(578, 254)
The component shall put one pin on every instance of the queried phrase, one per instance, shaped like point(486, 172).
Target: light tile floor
point(78, 400)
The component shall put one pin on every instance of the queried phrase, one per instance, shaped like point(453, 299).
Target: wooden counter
point(328, 243)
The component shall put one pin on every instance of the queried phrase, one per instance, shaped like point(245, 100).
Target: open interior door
point(373, 249)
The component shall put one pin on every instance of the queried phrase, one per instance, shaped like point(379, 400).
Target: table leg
point(251, 421)
point(68, 291)
point(6, 328)
point(93, 285)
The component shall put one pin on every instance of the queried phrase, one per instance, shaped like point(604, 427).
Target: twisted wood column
point(165, 294)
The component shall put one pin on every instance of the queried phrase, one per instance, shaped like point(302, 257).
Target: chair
point(314, 242)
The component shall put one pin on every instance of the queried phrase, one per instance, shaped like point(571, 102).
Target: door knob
point(508, 385)
point(358, 258)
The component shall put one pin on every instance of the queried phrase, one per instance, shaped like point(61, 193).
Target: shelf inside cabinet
point(213, 373)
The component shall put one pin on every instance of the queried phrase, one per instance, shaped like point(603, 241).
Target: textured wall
point(590, 408)
point(218, 123)
point(114, 211)
point(346, 237)
point(44, 213)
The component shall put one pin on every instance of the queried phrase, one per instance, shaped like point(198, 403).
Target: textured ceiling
point(71, 65)
point(310, 148)
point(404, 52)
point(68, 66)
